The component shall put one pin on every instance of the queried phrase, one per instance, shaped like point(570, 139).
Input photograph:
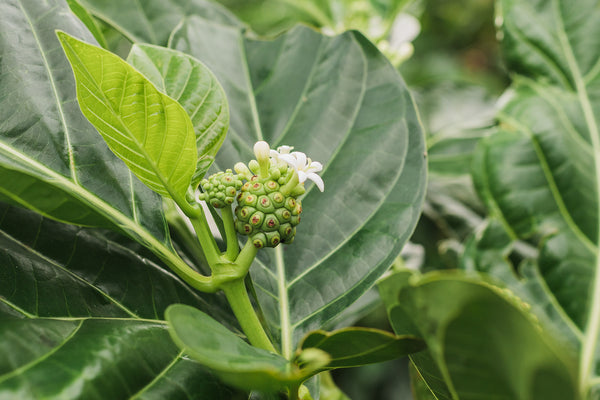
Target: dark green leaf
point(352, 347)
point(345, 106)
point(51, 159)
point(82, 317)
point(153, 20)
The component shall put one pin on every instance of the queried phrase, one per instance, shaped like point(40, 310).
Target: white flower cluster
point(304, 166)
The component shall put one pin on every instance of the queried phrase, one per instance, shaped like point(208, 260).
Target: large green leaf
point(51, 159)
point(196, 88)
point(485, 341)
point(152, 21)
point(147, 129)
point(539, 173)
point(345, 106)
point(82, 317)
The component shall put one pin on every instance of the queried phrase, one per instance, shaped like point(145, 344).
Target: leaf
point(273, 17)
point(196, 88)
point(88, 20)
point(345, 106)
point(425, 375)
point(352, 347)
point(82, 317)
point(153, 20)
point(474, 329)
point(539, 173)
point(148, 130)
point(234, 360)
point(51, 159)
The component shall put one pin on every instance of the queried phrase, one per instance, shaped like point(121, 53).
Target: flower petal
point(317, 180)
point(284, 149)
point(301, 157)
point(314, 166)
point(289, 159)
point(302, 176)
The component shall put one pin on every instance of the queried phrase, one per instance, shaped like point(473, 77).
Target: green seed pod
point(271, 223)
point(220, 189)
point(271, 186)
point(265, 204)
point(259, 240)
point(277, 198)
point(257, 219)
point(283, 215)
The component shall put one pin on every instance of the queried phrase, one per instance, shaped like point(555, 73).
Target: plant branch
point(233, 248)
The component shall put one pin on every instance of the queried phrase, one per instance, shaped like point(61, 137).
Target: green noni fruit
point(266, 215)
point(220, 189)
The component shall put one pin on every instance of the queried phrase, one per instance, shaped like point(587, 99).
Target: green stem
point(189, 275)
point(233, 248)
point(293, 389)
point(236, 294)
point(206, 239)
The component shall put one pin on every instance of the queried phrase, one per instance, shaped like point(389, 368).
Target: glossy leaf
point(539, 173)
point(148, 130)
point(474, 329)
point(234, 360)
point(342, 97)
point(82, 317)
point(196, 88)
point(51, 159)
point(352, 347)
point(153, 20)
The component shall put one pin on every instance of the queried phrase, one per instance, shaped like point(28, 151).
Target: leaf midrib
point(56, 96)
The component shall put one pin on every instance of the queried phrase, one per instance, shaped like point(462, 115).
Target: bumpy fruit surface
point(220, 189)
point(265, 214)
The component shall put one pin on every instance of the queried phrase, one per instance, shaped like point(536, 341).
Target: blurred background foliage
point(448, 54)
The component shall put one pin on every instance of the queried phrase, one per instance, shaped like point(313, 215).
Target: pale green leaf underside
point(346, 107)
point(485, 343)
point(148, 130)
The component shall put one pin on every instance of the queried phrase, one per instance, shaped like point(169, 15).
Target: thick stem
point(189, 275)
point(236, 294)
point(233, 248)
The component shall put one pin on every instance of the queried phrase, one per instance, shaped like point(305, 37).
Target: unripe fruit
point(220, 189)
point(266, 215)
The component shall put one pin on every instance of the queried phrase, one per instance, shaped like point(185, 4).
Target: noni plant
point(164, 233)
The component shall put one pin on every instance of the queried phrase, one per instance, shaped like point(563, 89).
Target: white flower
point(261, 150)
point(305, 167)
